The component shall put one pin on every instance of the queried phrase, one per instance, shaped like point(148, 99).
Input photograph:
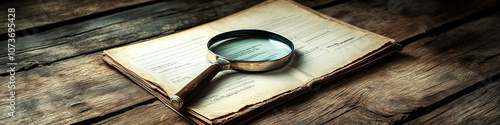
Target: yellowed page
point(170, 61)
point(321, 46)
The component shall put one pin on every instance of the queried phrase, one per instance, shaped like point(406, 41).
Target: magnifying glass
point(241, 50)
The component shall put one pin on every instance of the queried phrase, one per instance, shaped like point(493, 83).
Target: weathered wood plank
point(401, 20)
point(84, 89)
point(423, 73)
point(481, 107)
point(70, 91)
point(36, 13)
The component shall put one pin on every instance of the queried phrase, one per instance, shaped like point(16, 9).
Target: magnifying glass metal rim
point(219, 63)
point(250, 66)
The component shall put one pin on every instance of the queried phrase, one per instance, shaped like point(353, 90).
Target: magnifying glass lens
point(243, 50)
point(251, 48)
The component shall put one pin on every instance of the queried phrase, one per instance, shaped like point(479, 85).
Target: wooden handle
point(186, 94)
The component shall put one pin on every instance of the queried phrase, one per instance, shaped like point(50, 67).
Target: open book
point(325, 49)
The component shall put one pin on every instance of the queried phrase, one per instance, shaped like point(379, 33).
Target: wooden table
point(447, 74)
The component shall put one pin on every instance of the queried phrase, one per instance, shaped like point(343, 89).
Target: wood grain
point(31, 14)
point(402, 20)
point(70, 91)
point(479, 107)
point(423, 73)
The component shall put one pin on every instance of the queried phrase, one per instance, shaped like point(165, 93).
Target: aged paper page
point(321, 46)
